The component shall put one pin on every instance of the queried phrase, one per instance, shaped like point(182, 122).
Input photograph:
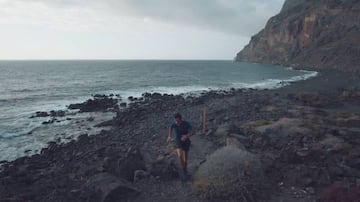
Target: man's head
point(177, 118)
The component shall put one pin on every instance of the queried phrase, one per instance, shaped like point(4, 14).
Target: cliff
point(316, 34)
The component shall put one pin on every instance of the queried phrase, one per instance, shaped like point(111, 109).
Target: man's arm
point(169, 134)
point(190, 133)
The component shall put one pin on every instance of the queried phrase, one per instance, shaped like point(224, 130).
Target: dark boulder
point(97, 104)
point(59, 113)
point(105, 187)
point(126, 166)
point(165, 168)
point(40, 114)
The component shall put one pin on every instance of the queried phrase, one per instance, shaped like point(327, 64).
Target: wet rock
point(41, 114)
point(105, 123)
point(123, 104)
point(83, 139)
point(101, 103)
point(131, 98)
point(59, 113)
point(48, 122)
point(3, 161)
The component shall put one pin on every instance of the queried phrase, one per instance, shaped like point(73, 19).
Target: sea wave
point(24, 90)
point(276, 83)
point(183, 89)
point(178, 90)
point(12, 135)
point(198, 89)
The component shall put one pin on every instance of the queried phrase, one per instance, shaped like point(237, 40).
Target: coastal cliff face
point(315, 34)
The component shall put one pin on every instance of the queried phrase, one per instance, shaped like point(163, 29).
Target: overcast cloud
point(244, 17)
point(75, 25)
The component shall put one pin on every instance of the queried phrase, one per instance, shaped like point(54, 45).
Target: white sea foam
point(17, 147)
point(197, 89)
point(181, 89)
point(276, 83)
point(27, 144)
point(20, 124)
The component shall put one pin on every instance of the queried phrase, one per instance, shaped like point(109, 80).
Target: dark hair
point(177, 115)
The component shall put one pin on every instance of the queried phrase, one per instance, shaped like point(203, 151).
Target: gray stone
point(230, 141)
point(209, 132)
point(133, 161)
point(310, 190)
point(214, 180)
point(108, 188)
point(222, 130)
point(140, 174)
point(241, 138)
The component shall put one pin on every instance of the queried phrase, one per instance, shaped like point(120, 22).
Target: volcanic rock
point(317, 34)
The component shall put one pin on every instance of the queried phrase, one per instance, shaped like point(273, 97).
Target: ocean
point(30, 86)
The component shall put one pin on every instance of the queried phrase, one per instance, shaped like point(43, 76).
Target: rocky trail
point(175, 189)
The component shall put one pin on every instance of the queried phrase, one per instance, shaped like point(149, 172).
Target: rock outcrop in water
point(316, 34)
point(98, 103)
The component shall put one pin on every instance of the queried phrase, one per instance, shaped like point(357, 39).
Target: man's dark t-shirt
point(182, 129)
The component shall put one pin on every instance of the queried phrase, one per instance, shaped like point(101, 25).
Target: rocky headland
point(320, 34)
point(297, 143)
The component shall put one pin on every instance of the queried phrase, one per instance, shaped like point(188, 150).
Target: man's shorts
point(184, 145)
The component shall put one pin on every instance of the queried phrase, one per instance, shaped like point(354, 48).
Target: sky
point(130, 29)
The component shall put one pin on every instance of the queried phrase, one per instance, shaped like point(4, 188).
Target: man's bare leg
point(181, 155)
point(182, 160)
point(185, 159)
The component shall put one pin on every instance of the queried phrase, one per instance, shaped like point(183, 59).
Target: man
point(183, 131)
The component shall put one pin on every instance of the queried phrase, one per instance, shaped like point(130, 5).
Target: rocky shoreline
point(306, 137)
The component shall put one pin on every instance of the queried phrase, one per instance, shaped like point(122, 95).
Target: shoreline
point(325, 81)
point(143, 126)
point(257, 86)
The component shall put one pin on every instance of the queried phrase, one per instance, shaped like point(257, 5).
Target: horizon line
point(143, 59)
